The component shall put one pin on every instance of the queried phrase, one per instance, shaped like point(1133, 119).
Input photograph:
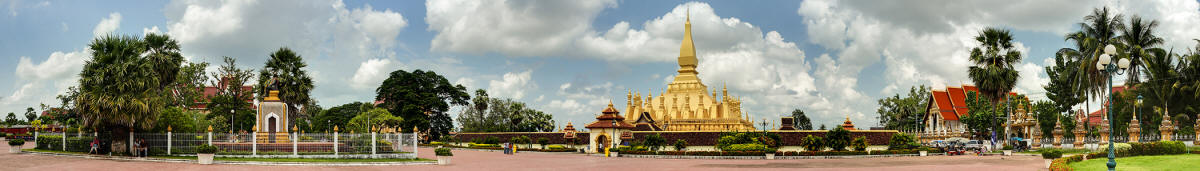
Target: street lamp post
point(1104, 64)
point(231, 115)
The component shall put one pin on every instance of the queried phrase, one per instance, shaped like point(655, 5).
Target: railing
point(310, 145)
point(1092, 139)
point(1183, 137)
point(1120, 139)
point(1149, 137)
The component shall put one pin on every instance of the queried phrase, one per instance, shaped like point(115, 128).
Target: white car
point(974, 145)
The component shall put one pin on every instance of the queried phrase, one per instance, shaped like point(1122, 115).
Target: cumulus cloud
point(329, 36)
point(108, 25)
point(513, 85)
point(510, 27)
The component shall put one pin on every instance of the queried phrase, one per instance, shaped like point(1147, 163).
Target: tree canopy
point(422, 98)
point(503, 115)
point(802, 120)
point(285, 69)
point(904, 112)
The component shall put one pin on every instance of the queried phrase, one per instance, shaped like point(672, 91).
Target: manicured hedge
point(699, 153)
point(548, 150)
point(1156, 148)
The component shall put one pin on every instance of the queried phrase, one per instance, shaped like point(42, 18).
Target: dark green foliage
point(838, 139)
point(341, 115)
point(654, 142)
point(206, 149)
point(860, 144)
point(422, 99)
point(901, 141)
point(1047, 114)
point(802, 120)
point(680, 144)
point(487, 112)
point(748, 147)
point(1156, 148)
point(904, 112)
point(443, 152)
point(731, 138)
point(813, 143)
point(543, 141)
point(16, 142)
point(284, 71)
point(1051, 154)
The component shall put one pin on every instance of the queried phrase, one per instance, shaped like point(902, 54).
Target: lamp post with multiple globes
point(1105, 65)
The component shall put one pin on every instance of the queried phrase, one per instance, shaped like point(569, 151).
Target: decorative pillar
point(1037, 136)
point(335, 141)
point(372, 141)
point(1166, 128)
point(1135, 129)
point(1196, 139)
point(210, 135)
point(1080, 134)
point(130, 143)
point(1105, 128)
point(1058, 131)
point(295, 137)
point(168, 140)
point(254, 140)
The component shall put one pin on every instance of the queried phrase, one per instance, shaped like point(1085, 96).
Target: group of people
point(140, 147)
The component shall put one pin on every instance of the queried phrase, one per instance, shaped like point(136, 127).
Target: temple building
point(948, 106)
point(687, 104)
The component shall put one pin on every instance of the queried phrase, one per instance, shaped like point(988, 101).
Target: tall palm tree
point(1098, 29)
point(1138, 37)
point(993, 72)
point(122, 87)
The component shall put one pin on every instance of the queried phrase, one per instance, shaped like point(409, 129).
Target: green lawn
point(1065, 151)
point(1166, 162)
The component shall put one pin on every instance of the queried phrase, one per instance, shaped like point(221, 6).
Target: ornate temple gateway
point(686, 105)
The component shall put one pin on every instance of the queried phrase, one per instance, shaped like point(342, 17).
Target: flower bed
point(548, 150)
point(1135, 149)
point(698, 153)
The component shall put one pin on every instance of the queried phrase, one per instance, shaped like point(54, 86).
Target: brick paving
point(485, 160)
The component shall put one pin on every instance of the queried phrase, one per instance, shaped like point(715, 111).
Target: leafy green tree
point(1098, 30)
point(1063, 85)
point(904, 113)
point(654, 142)
point(285, 71)
point(993, 73)
point(377, 117)
point(1047, 114)
point(823, 127)
point(1138, 38)
point(981, 117)
point(231, 99)
point(422, 98)
point(802, 120)
point(341, 115)
point(180, 120)
point(517, 116)
point(122, 87)
point(838, 139)
point(10, 120)
point(189, 85)
point(30, 115)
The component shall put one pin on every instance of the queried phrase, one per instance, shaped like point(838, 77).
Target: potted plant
point(924, 151)
point(1008, 150)
point(15, 145)
point(205, 152)
point(1050, 155)
point(443, 155)
point(770, 154)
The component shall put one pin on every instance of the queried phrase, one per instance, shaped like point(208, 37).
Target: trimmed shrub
point(654, 141)
point(206, 149)
point(680, 144)
point(553, 147)
point(812, 143)
point(748, 147)
point(443, 152)
point(543, 141)
point(838, 139)
point(482, 145)
point(49, 142)
point(1156, 148)
point(16, 142)
point(860, 144)
point(1051, 154)
point(437, 143)
point(902, 141)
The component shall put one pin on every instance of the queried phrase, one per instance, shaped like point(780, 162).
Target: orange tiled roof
point(953, 101)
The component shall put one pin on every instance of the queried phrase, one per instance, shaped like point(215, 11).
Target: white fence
point(293, 145)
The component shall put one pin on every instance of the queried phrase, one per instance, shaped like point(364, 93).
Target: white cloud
point(513, 85)
point(154, 29)
point(58, 65)
point(330, 36)
point(510, 27)
point(108, 25)
point(371, 74)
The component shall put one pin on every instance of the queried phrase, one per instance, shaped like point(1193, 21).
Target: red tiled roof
point(953, 101)
point(958, 99)
point(942, 100)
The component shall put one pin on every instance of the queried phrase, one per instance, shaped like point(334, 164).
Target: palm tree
point(993, 72)
point(1138, 37)
point(1097, 30)
point(122, 87)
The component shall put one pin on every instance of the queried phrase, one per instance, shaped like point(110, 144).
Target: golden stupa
point(687, 105)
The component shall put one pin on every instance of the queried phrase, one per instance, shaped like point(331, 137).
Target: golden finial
point(372, 129)
point(168, 128)
point(295, 128)
point(210, 128)
point(335, 128)
point(254, 128)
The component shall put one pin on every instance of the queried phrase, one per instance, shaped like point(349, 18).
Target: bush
point(680, 144)
point(901, 141)
point(437, 143)
point(206, 149)
point(482, 145)
point(1007, 147)
point(726, 141)
point(1121, 147)
point(49, 142)
point(443, 152)
point(490, 140)
point(837, 139)
point(860, 144)
point(543, 141)
point(812, 143)
point(748, 147)
point(1156, 148)
point(555, 147)
point(16, 142)
point(654, 141)
point(1051, 154)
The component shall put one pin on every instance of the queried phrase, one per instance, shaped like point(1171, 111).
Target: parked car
point(974, 145)
point(938, 143)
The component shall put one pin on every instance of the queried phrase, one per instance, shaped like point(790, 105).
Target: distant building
point(210, 91)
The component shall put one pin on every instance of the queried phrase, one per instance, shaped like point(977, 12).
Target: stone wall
point(694, 138)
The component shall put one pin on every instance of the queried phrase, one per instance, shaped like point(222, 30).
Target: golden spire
point(687, 51)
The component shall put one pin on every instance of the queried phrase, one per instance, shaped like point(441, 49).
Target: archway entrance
point(271, 130)
point(601, 143)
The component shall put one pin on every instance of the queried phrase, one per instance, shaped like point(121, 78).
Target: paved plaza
point(483, 160)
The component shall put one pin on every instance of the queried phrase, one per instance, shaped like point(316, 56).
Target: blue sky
point(833, 59)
